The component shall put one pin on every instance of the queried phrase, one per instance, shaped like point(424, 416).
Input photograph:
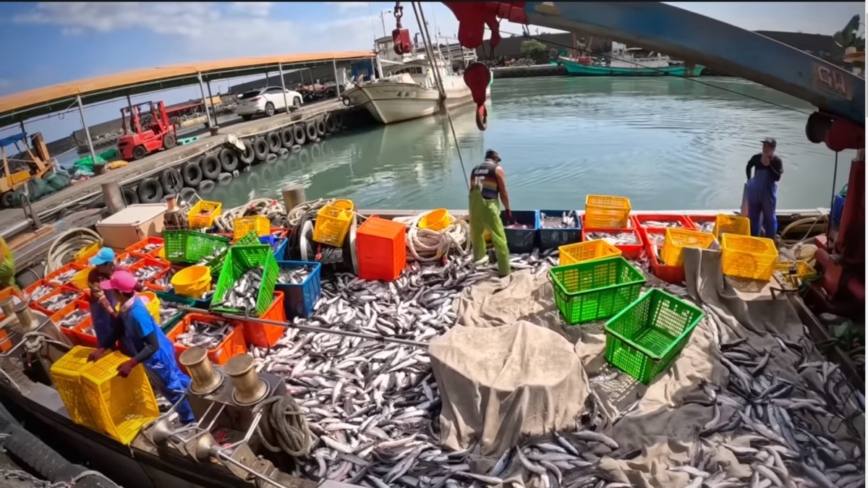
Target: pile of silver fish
point(614, 238)
point(150, 247)
point(661, 224)
point(243, 294)
point(74, 318)
point(168, 311)
point(207, 335)
point(60, 300)
point(147, 272)
point(40, 292)
point(567, 220)
point(295, 275)
point(128, 261)
point(705, 226)
point(166, 279)
point(516, 226)
point(63, 278)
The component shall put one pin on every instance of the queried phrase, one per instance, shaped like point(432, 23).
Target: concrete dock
point(154, 164)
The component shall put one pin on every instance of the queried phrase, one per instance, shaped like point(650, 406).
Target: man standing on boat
point(762, 189)
point(487, 184)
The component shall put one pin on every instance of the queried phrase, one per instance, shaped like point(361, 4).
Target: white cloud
point(257, 9)
point(351, 6)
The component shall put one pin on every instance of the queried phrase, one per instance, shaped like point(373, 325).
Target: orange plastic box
point(670, 274)
point(137, 247)
point(641, 221)
point(40, 304)
point(628, 251)
point(62, 270)
point(381, 246)
point(265, 335)
point(232, 345)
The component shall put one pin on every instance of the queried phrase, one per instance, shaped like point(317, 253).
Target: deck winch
point(302, 247)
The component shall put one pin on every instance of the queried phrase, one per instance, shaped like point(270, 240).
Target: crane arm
point(838, 94)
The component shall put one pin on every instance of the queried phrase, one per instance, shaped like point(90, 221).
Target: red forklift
point(145, 132)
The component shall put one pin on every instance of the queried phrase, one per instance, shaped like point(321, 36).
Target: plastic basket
point(804, 271)
point(42, 307)
point(595, 290)
point(703, 223)
point(748, 257)
point(80, 279)
point(232, 345)
point(299, 299)
point(381, 249)
point(520, 241)
point(677, 239)
point(586, 251)
point(147, 261)
point(127, 260)
point(332, 224)
point(167, 297)
point(644, 338)
point(436, 220)
point(243, 225)
point(670, 274)
point(53, 276)
point(35, 286)
point(190, 246)
point(606, 212)
point(82, 256)
point(629, 251)
point(344, 204)
point(121, 405)
point(267, 335)
point(138, 248)
point(556, 238)
point(646, 221)
point(238, 260)
point(66, 376)
point(731, 224)
point(203, 214)
point(192, 282)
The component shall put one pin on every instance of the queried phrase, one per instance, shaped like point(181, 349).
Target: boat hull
point(397, 102)
point(578, 69)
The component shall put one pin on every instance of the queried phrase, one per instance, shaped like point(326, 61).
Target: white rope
point(426, 245)
point(66, 245)
point(267, 207)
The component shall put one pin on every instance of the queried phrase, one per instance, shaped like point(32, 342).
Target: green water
point(666, 143)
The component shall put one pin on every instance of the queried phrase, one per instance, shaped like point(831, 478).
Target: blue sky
point(48, 43)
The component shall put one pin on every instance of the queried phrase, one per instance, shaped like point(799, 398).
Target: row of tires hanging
point(201, 174)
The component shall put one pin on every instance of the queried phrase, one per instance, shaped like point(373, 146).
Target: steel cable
point(286, 423)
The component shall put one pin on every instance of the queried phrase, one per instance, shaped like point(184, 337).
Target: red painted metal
point(400, 35)
point(845, 135)
point(151, 137)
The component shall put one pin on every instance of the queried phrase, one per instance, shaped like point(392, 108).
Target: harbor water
point(666, 143)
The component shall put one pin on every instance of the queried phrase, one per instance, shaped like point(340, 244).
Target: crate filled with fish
point(677, 239)
point(628, 240)
point(127, 260)
point(56, 300)
point(654, 240)
point(193, 247)
point(521, 233)
point(147, 247)
point(703, 223)
point(595, 290)
point(162, 281)
point(71, 315)
point(661, 221)
point(222, 338)
point(301, 285)
point(148, 269)
point(39, 290)
point(247, 281)
point(64, 275)
point(559, 228)
point(170, 314)
point(266, 335)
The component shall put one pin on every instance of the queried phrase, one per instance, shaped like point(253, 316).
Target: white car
point(267, 101)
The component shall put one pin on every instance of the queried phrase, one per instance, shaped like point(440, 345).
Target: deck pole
point(113, 196)
point(23, 130)
point(205, 102)
point(379, 67)
point(337, 82)
point(293, 195)
point(283, 85)
point(86, 130)
point(211, 99)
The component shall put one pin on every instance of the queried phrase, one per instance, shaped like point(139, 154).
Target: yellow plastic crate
point(199, 217)
point(331, 225)
point(121, 405)
point(606, 212)
point(66, 376)
point(258, 223)
point(748, 257)
point(803, 269)
point(87, 252)
point(731, 224)
point(344, 204)
point(677, 239)
point(586, 251)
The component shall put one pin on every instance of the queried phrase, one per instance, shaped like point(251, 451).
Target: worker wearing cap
point(104, 265)
point(7, 266)
point(487, 184)
point(762, 189)
point(149, 345)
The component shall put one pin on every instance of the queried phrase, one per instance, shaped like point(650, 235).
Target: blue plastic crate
point(280, 250)
point(555, 238)
point(298, 300)
point(520, 241)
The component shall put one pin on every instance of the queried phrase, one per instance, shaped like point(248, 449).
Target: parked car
point(267, 100)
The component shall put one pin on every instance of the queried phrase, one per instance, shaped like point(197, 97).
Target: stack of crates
point(299, 299)
point(238, 261)
point(381, 246)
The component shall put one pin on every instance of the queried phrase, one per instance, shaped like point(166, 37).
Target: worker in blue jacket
point(146, 340)
point(762, 190)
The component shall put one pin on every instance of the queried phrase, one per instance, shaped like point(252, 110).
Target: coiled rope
point(267, 207)
point(64, 248)
point(426, 245)
point(286, 422)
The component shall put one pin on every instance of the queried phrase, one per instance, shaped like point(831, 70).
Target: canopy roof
point(41, 101)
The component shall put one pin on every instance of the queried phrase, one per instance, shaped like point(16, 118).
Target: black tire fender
point(284, 152)
point(271, 158)
point(330, 125)
point(274, 142)
point(130, 195)
point(254, 180)
point(248, 156)
point(191, 173)
point(320, 128)
point(224, 179)
point(228, 160)
point(304, 157)
point(260, 148)
point(299, 135)
point(171, 181)
point(316, 151)
point(150, 190)
point(310, 130)
point(287, 138)
point(186, 194)
point(210, 167)
point(206, 186)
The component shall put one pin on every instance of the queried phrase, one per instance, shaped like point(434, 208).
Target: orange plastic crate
point(231, 346)
point(678, 239)
point(138, 247)
point(126, 260)
point(628, 251)
point(39, 305)
point(381, 247)
point(34, 286)
point(265, 335)
point(671, 274)
point(62, 270)
point(642, 220)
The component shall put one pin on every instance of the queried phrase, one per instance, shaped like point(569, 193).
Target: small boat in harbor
point(624, 62)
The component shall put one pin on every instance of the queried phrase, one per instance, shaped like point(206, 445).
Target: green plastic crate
point(190, 246)
point(216, 264)
point(240, 259)
point(595, 290)
point(648, 335)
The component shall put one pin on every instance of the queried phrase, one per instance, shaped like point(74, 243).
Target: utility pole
point(383, 20)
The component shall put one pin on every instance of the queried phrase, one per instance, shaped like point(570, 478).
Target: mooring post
point(293, 195)
point(337, 82)
point(113, 196)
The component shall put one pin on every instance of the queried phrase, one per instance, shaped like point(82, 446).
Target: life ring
point(187, 194)
point(299, 135)
point(271, 158)
point(330, 126)
point(260, 148)
point(171, 181)
point(284, 152)
point(320, 128)
point(248, 156)
point(481, 117)
point(191, 173)
point(150, 190)
point(224, 179)
point(274, 142)
point(286, 137)
point(311, 131)
point(206, 186)
point(130, 195)
point(228, 160)
point(210, 167)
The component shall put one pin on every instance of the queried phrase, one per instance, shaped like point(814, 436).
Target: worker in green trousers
point(487, 184)
point(7, 266)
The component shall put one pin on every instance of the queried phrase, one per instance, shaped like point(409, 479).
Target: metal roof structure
point(18, 107)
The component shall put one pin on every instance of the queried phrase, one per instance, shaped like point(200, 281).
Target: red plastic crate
point(38, 305)
point(146, 261)
point(671, 274)
point(122, 256)
point(629, 251)
point(30, 289)
point(136, 248)
point(232, 345)
point(381, 246)
point(7, 292)
point(62, 270)
point(265, 335)
point(639, 219)
point(697, 219)
point(76, 334)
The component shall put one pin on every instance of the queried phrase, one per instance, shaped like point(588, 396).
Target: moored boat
point(624, 61)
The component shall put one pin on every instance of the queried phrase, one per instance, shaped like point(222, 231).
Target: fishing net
point(499, 383)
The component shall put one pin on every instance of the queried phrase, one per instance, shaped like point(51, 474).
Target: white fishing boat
point(624, 61)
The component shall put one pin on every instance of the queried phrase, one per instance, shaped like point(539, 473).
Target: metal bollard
point(113, 196)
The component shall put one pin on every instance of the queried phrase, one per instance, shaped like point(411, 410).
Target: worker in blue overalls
point(146, 340)
point(762, 190)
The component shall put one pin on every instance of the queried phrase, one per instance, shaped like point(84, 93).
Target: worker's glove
point(509, 217)
point(125, 369)
point(94, 356)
